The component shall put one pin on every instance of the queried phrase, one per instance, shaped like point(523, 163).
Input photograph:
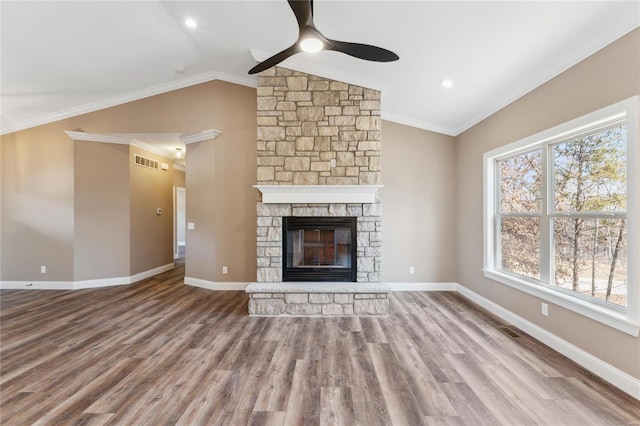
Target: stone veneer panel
point(315, 131)
point(322, 299)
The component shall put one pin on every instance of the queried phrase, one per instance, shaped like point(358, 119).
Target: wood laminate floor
point(159, 352)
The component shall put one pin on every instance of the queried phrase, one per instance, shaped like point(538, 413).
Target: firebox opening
point(319, 249)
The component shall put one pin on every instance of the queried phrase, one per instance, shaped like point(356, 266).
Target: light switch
point(191, 226)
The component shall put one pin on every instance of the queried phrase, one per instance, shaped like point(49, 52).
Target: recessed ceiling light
point(311, 45)
point(447, 83)
point(191, 23)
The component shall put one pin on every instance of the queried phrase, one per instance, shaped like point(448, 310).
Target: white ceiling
point(59, 59)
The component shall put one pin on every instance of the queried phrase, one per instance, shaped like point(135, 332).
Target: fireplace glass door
point(319, 249)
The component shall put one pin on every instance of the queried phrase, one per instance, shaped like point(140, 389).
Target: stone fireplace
point(319, 156)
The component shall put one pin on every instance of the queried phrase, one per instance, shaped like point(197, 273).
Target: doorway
point(181, 222)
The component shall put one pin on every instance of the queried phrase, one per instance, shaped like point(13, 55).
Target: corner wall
point(418, 225)
point(604, 78)
point(150, 234)
point(101, 211)
point(37, 205)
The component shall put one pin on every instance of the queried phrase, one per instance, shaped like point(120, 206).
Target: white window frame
point(624, 319)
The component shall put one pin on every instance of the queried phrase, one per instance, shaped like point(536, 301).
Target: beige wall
point(179, 179)
point(418, 205)
point(37, 205)
point(221, 201)
point(606, 77)
point(38, 182)
point(101, 210)
point(151, 234)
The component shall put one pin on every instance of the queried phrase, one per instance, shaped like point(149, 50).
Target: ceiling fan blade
point(275, 59)
point(303, 9)
point(363, 51)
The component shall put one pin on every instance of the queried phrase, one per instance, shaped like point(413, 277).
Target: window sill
point(597, 313)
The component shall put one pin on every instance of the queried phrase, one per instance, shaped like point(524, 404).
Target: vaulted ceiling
point(59, 59)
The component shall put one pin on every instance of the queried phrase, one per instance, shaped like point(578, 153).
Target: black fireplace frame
point(290, 273)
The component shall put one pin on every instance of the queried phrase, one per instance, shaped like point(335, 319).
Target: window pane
point(590, 173)
point(591, 257)
point(519, 240)
point(520, 183)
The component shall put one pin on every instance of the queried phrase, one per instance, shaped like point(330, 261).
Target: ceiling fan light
point(311, 45)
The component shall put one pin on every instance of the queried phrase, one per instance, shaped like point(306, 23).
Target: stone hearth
point(320, 299)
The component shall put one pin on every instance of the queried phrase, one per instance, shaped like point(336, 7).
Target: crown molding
point(97, 137)
point(120, 140)
point(413, 122)
point(153, 149)
point(323, 71)
point(129, 97)
point(579, 56)
point(179, 167)
point(200, 136)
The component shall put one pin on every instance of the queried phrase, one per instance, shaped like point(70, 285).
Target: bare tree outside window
point(520, 209)
point(587, 214)
point(590, 249)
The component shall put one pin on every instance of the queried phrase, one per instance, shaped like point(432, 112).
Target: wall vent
point(139, 160)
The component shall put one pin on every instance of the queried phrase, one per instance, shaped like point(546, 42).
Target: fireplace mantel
point(272, 194)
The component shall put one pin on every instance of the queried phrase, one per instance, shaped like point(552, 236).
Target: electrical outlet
point(545, 309)
point(412, 270)
point(225, 270)
point(191, 226)
point(43, 269)
point(333, 162)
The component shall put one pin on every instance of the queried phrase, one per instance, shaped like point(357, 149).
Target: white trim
point(417, 123)
point(590, 310)
point(151, 272)
point(182, 243)
point(627, 322)
point(217, 286)
point(318, 193)
point(153, 149)
point(616, 377)
point(83, 284)
point(200, 136)
point(102, 282)
point(179, 167)
point(120, 140)
point(36, 285)
point(551, 73)
point(128, 97)
point(97, 137)
point(423, 286)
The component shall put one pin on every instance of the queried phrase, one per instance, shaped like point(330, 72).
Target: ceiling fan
point(311, 40)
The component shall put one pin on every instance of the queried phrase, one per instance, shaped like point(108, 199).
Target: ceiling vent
point(139, 160)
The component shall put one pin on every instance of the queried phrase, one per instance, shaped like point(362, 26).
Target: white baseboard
point(102, 282)
point(36, 285)
point(211, 285)
point(151, 272)
point(611, 374)
point(423, 286)
point(182, 243)
point(84, 284)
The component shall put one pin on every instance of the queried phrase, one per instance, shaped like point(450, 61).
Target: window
point(561, 215)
